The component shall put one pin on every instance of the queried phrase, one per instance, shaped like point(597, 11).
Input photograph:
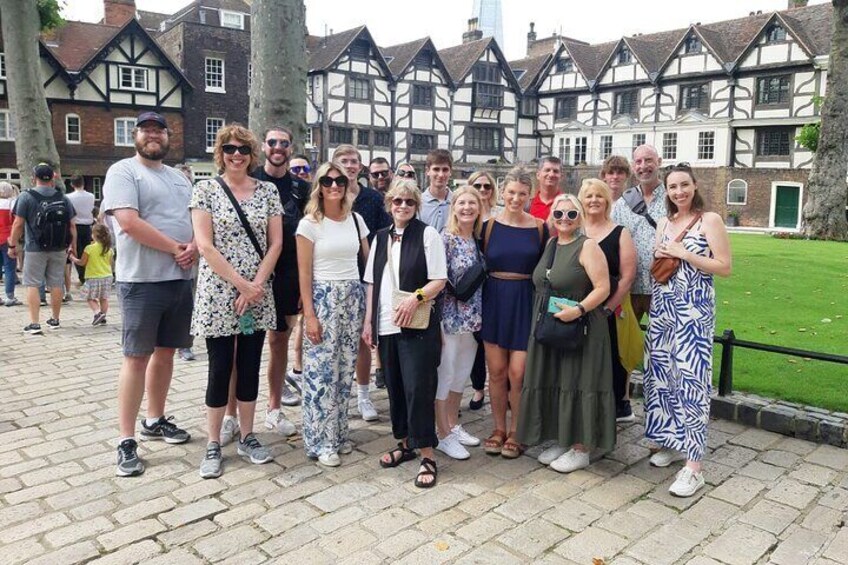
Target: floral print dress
point(460, 317)
point(214, 304)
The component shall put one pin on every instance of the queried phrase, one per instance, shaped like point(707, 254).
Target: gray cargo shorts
point(156, 314)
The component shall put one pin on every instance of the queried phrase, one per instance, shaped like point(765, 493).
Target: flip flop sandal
point(429, 471)
point(406, 454)
point(511, 449)
point(494, 443)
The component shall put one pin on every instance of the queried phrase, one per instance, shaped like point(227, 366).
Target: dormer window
point(360, 49)
point(693, 44)
point(424, 59)
point(625, 57)
point(564, 66)
point(775, 34)
point(133, 78)
point(234, 20)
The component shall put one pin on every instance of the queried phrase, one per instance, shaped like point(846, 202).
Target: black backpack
point(636, 202)
point(51, 226)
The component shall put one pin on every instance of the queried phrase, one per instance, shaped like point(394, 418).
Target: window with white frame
point(638, 140)
point(580, 147)
point(360, 88)
point(123, 132)
point(97, 187)
point(133, 78)
point(73, 129)
point(7, 126)
point(669, 146)
point(214, 74)
point(565, 150)
point(308, 140)
point(2, 65)
point(737, 192)
point(624, 56)
point(212, 127)
point(706, 145)
point(234, 20)
point(606, 146)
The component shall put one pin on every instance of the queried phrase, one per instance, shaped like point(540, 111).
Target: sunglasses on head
point(380, 174)
point(406, 174)
point(568, 214)
point(482, 186)
point(283, 143)
point(230, 149)
point(328, 181)
point(298, 169)
point(408, 201)
point(681, 166)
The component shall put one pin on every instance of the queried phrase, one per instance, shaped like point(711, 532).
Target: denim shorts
point(156, 314)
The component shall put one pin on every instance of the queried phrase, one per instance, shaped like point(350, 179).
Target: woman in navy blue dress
point(513, 244)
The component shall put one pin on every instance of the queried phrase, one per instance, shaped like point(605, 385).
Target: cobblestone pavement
point(769, 499)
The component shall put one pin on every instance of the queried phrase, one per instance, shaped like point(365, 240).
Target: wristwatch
point(608, 312)
point(419, 294)
point(582, 309)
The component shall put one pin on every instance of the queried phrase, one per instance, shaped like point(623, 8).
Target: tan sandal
point(511, 449)
point(495, 442)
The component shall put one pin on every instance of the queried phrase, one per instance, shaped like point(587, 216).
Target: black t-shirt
point(294, 194)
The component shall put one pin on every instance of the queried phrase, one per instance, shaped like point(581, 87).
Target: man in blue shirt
point(436, 199)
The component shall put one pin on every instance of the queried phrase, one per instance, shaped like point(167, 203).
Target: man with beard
point(155, 256)
point(380, 174)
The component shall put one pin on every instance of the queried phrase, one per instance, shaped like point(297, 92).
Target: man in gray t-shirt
point(155, 256)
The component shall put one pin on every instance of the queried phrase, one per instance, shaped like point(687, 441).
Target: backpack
point(51, 226)
point(636, 202)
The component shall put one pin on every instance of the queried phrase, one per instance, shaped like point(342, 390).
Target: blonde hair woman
point(330, 240)
point(486, 184)
point(7, 203)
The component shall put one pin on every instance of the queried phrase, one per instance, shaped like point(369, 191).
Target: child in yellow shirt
point(97, 260)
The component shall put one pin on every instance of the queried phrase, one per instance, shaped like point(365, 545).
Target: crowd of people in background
point(433, 284)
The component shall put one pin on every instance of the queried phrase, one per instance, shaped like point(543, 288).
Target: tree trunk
point(279, 62)
point(827, 191)
point(25, 87)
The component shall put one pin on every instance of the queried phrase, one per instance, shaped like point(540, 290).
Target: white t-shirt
point(335, 247)
point(437, 268)
point(83, 202)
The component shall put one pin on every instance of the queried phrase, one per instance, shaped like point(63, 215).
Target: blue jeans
point(8, 265)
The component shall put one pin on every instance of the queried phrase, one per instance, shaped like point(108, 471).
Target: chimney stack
point(118, 12)
point(531, 37)
point(474, 32)
point(792, 4)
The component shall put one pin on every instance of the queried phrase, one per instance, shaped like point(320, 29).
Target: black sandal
point(406, 454)
point(429, 471)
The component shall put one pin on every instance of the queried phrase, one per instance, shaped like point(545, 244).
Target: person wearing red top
point(548, 175)
point(7, 203)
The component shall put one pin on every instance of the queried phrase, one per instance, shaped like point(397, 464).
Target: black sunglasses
point(482, 186)
point(380, 174)
point(568, 214)
point(328, 181)
point(683, 166)
point(297, 169)
point(284, 143)
point(406, 174)
point(230, 149)
point(408, 201)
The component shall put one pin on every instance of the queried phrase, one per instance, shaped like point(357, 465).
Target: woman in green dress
point(567, 396)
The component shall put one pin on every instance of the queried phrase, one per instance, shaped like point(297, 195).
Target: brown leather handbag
point(663, 268)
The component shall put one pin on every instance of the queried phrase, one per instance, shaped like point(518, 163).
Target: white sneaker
point(274, 420)
point(346, 448)
point(329, 460)
point(551, 454)
point(229, 430)
point(687, 483)
point(464, 437)
point(665, 457)
point(571, 460)
point(289, 398)
point(450, 446)
point(367, 410)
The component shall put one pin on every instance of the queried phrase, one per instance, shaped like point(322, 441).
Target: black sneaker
point(380, 378)
point(623, 412)
point(164, 429)
point(33, 329)
point(129, 465)
point(99, 318)
point(53, 324)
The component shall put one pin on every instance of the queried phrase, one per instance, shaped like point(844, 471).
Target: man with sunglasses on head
point(369, 204)
point(294, 193)
point(299, 167)
point(642, 225)
point(548, 176)
point(380, 174)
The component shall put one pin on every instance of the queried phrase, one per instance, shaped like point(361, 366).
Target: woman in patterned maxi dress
point(679, 345)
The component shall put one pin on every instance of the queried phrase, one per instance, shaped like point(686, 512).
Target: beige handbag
point(421, 317)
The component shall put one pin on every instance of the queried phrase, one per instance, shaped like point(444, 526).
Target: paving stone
point(435, 501)
point(740, 545)
point(702, 560)
point(780, 458)
point(175, 557)
point(78, 531)
point(390, 521)
point(229, 543)
point(33, 527)
point(192, 512)
point(239, 514)
point(617, 492)
point(590, 544)
point(762, 471)
point(770, 516)
point(19, 513)
point(337, 496)
point(838, 547)
point(738, 490)
point(68, 555)
point(289, 540)
point(668, 543)
point(799, 547)
point(442, 522)
point(92, 509)
point(347, 540)
point(796, 446)
point(250, 491)
point(484, 528)
point(822, 519)
point(490, 553)
point(732, 455)
point(21, 551)
point(402, 543)
point(129, 534)
point(249, 557)
point(523, 507)
point(792, 493)
point(710, 513)
point(135, 553)
point(438, 550)
point(829, 456)
point(286, 517)
point(813, 474)
point(756, 439)
point(198, 490)
point(533, 538)
point(573, 515)
point(836, 498)
point(144, 510)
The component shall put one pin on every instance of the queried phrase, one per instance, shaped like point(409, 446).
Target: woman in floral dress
point(234, 305)
point(329, 239)
point(679, 345)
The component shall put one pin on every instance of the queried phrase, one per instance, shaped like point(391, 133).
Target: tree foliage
point(50, 13)
point(808, 137)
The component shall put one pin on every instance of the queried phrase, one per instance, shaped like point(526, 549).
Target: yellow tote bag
point(630, 338)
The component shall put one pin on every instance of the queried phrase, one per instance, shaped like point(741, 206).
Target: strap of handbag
point(360, 260)
point(548, 268)
point(683, 233)
point(240, 213)
point(636, 202)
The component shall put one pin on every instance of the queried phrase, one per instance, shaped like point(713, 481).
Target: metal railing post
point(725, 376)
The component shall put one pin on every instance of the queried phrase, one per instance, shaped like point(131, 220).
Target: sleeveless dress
point(567, 396)
point(679, 355)
point(610, 246)
point(507, 303)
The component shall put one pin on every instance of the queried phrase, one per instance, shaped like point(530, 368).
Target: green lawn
point(783, 292)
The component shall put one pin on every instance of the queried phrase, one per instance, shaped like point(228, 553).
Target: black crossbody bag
point(472, 279)
point(240, 213)
point(554, 333)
